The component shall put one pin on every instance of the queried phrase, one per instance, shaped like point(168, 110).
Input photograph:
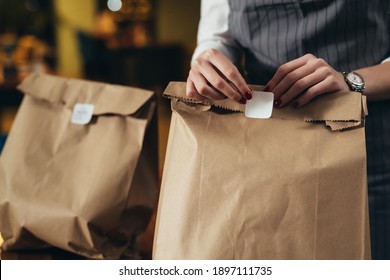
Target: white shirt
point(213, 31)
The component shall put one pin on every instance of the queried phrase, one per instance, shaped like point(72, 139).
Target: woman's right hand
point(214, 76)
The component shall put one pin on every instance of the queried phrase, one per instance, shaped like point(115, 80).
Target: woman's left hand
point(307, 76)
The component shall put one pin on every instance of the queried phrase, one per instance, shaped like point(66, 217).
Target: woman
point(301, 49)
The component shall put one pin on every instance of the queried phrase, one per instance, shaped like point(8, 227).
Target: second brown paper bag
point(86, 185)
point(289, 187)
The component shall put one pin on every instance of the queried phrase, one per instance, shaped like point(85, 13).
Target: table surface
point(48, 254)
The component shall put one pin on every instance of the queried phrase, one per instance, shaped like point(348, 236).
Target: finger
point(191, 91)
point(287, 68)
point(325, 86)
point(204, 88)
point(291, 78)
point(230, 72)
point(299, 87)
point(219, 83)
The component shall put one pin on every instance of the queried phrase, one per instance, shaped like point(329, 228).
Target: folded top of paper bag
point(106, 98)
point(339, 110)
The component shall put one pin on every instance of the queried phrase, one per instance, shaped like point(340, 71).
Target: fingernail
point(278, 102)
point(296, 104)
point(243, 100)
point(248, 95)
point(266, 88)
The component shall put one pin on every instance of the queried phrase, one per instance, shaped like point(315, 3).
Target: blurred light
point(114, 5)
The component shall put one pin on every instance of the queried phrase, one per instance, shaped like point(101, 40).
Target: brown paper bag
point(86, 188)
point(289, 187)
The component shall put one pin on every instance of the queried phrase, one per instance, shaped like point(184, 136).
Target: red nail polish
point(248, 95)
point(243, 100)
point(266, 88)
point(278, 102)
point(296, 104)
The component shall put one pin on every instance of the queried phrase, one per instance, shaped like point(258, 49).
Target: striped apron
point(348, 34)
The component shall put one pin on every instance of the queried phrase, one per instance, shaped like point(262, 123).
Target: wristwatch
point(355, 81)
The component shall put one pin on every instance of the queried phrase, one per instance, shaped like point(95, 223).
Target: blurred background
point(146, 44)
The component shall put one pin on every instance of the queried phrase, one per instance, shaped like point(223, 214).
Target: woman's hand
point(214, 76)
point(307, 76)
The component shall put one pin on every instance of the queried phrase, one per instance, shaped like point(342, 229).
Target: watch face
point(355, 79)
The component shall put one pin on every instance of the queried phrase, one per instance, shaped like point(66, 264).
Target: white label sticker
point(82, 113)
point(260, 106)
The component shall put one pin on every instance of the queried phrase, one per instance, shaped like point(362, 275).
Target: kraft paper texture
point(89, 189)
point(290, 187)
